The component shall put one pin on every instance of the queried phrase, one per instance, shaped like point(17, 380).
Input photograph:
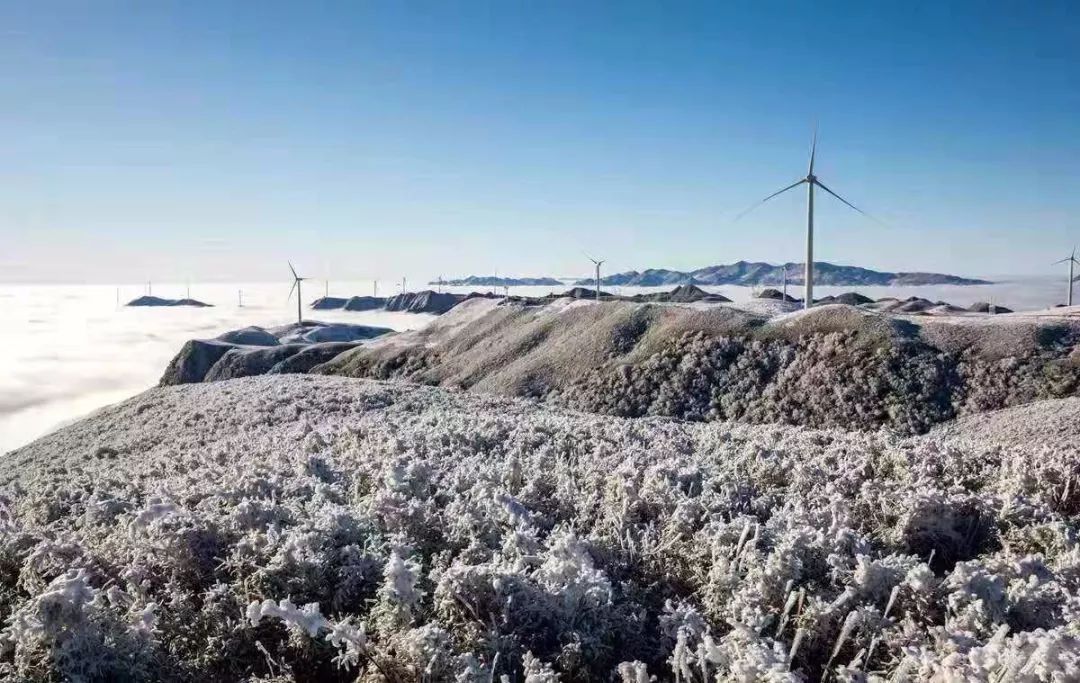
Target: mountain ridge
point(496, 281)
point(761, 273)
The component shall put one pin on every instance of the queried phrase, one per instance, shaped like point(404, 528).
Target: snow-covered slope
point(830, 366)
point(321, 528)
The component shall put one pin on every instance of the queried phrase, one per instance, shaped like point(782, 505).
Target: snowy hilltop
point(834, 365)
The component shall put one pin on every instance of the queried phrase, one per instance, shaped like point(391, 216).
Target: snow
point(307, 527)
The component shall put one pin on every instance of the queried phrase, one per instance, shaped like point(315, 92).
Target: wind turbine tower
point(811, 181)
point(299, 300)
point(1071, 260)
point(597, 264)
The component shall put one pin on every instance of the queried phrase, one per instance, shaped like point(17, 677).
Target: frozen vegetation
point(299, 527)
point(831, 366)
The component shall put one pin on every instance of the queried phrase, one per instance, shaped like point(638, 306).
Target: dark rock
point(249, 336)
point(850, 298)
point(194, 361)
point(984, 307)
point(776, 294)
point(158, 301)
point(247, 361)
point(583, 293)
point(336, 332)
point(426, 301)
point(328, 303)
point(310, 356)
point(364, 303)
point(287, 329)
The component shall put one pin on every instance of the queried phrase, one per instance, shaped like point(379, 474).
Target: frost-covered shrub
point(308, 528)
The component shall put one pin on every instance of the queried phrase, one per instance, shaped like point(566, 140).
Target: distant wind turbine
point(810, 181)
point(1071, 260)
point(597, 264)
point(785, 282)
point(299, 301)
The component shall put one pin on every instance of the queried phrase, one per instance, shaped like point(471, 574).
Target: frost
point(309, 528)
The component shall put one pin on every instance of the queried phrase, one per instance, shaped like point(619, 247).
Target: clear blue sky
point(211, 140)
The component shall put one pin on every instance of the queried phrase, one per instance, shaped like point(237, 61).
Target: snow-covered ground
point(321, 528)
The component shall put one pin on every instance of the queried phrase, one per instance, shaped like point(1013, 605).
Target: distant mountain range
point(758, 273)
point(495, 281)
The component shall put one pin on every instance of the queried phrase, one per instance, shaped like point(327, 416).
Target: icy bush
point(315, 528)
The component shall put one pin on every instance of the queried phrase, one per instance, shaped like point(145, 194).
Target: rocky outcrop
point(338, 332)
point(256, 351)
point(248, 362)
point(249, 336)
point(776, 295)
point(426, 301)
point(848, 298)
point(984, 307)
point(328, 303)
point(365, 303)
point(154, 301)
point(194, 360)
point(310, 356)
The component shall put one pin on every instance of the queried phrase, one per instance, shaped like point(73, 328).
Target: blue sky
point(209, 140)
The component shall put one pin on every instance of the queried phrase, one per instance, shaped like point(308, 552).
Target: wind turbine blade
point(291, 289)
point(822, 186)
point(292, 269)
point(813, 151)
point(754, 206)
point(1064, 260)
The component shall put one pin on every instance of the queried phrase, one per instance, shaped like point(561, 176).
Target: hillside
point(758, 273)
point(831, 366)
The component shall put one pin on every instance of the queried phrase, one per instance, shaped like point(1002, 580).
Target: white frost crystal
point(322, 528)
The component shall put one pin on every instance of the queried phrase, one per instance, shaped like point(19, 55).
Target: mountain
point(759, 273)
point(495, 281)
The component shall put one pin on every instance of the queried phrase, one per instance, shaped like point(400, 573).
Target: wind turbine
point(1071, 260)
point(296, 285)
point(810, 181)
point(597, 264)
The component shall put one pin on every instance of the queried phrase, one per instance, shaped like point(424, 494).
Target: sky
point(211, 141)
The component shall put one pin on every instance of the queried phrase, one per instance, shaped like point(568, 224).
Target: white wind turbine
point(1071, 260)
point(296, 285)
point(597, 264)
point(810, 181)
